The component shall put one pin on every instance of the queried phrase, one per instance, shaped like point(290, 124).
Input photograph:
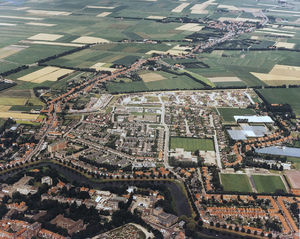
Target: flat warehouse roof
point(254, 118)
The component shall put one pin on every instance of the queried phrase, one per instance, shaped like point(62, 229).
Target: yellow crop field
point(88, 40)
point(200, 8)
point(55, 43)
point(275, 33)
point(180, 7)
point(53, 75)
point(187, 26)
point(178, 47)
point(285, 45)
point(7, 24)
point(293, 71)
point(224, 79)
point(280, 74)
point(229, 7)
point(18, 115)
point(195, 29)
point(176, 52)
point(154, 51)
point(39, 73)
point(25, 18)
point(45, 37)
point(103, 14)
point(156, 17)
point(4, 108)
point(100, 7)
point(40, 24)
point(149, 77)
point(9, 50)
point(47, 13)
point(100, 67)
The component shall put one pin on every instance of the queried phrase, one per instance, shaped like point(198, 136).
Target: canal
point(182, 205)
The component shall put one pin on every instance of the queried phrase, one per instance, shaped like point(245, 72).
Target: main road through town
point(166, 150)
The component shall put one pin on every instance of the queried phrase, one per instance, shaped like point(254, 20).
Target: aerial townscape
point(149, 119)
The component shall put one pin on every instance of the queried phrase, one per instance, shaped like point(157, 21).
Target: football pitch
point(236, 183)
point(268, 184)
point(228, 113)
point(191, 144)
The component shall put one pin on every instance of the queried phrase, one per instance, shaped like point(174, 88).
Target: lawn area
point(191, 144)
point(282, 96)
point(268, 184)
point(228, 113)
point(296, 162)
point(235, 182)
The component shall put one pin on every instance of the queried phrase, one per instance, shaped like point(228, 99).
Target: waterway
point(182, 206)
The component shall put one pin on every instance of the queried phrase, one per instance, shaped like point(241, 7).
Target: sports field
point(191, 144)
point(236, 182)
point(268, 184)
point(282, 96)
point(228, 113)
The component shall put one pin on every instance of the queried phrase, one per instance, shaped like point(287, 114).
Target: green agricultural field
point(126, 87)
point(268, 184)
point(172, 82)
point(191, 144)
point(4, 86)
point(282, 96)
point(24, 108)
point(28, 123)
point(201, 78)
point(236, 183)
point(36, 52)
point(12, 101)
point(225, 84)
point(228, 113)
point(14, 93)
point(35, 101)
